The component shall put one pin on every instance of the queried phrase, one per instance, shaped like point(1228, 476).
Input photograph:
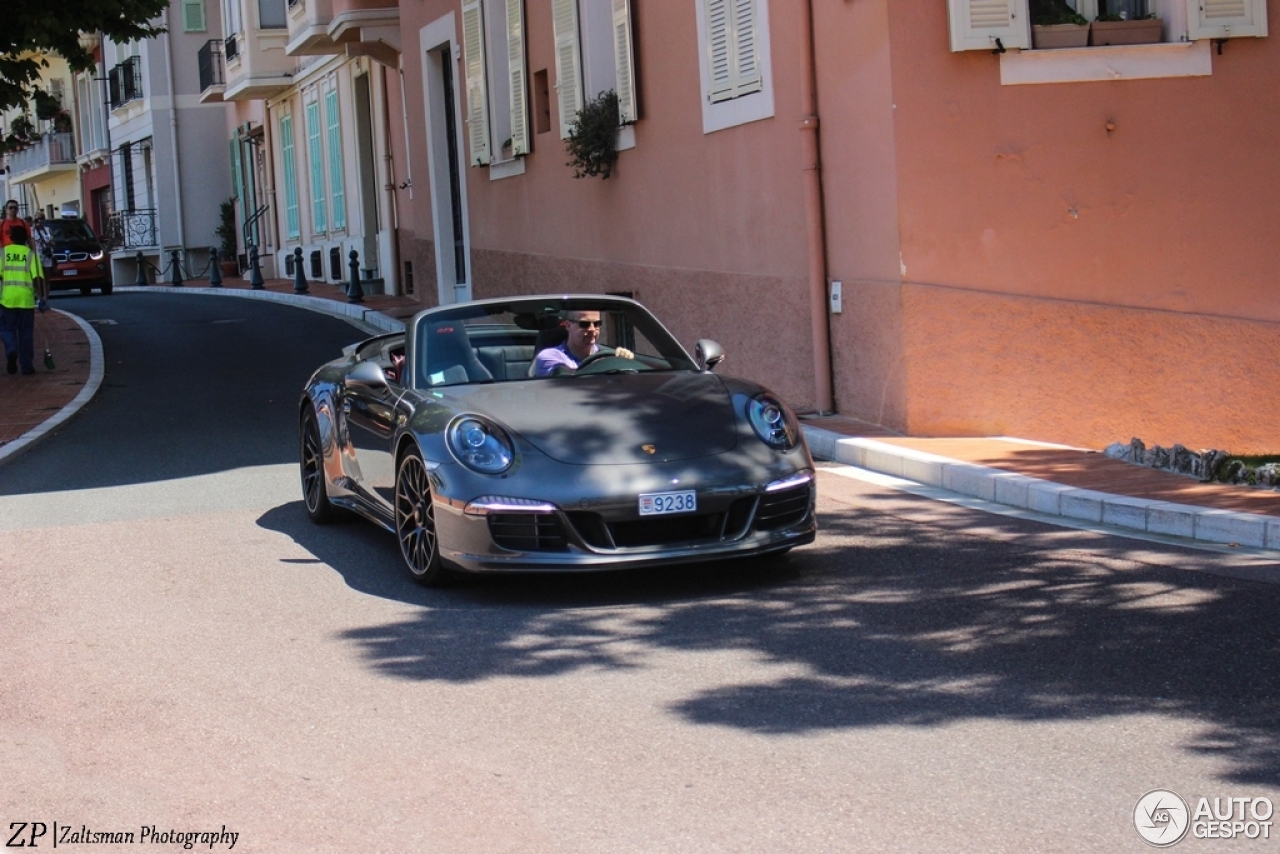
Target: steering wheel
point(614, 363)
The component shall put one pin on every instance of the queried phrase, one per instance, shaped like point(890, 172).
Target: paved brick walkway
point(26, 402)
point(1072, 467)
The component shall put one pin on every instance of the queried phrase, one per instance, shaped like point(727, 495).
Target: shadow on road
point(883, 621)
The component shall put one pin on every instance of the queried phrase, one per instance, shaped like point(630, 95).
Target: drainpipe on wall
point(811, 165)
point(173, 140)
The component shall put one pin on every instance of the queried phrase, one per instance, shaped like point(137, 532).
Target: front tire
point(416, 521)
point(315, 494)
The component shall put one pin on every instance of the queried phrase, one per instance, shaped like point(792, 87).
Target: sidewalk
point(1071, 483)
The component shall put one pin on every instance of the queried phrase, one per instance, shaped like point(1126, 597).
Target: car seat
point(450, 357)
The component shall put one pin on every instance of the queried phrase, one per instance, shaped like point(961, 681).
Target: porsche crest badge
point(649, 449)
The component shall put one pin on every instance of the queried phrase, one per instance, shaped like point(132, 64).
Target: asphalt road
point(181, 648)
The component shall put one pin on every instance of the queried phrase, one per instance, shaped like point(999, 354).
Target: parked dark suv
point(79, 261)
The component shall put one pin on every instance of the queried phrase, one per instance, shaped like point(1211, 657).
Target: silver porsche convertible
point(551, 434)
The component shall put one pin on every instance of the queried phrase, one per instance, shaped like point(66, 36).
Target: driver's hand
point(624, 353)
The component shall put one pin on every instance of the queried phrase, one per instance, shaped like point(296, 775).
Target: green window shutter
point(477, 96)
point(564, 20)
point(237, 170)
point(193, 16)
point(337, 183)
point(515, 64)
point(293, 228)
point(315, 162)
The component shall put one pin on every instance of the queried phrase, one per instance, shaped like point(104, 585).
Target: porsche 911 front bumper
point(502, 534)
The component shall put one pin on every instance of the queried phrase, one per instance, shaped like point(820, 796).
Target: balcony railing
point(211, 65)
point(52, 149)
point(232, 47)
point(124, 82)
point(131, 230)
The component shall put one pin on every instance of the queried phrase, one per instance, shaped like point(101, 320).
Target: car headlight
point(480, 445)
point(96, 256)
point(773, 422)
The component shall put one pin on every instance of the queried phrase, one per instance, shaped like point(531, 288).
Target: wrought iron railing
point(131, 230)
point(124, 82)
point(211, 65)
point(231, 47)
point(50, 150)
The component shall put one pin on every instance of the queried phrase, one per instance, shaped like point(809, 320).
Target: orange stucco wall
point(1075, 262)
point(1055, 278)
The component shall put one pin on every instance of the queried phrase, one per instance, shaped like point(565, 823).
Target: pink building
point(1070, 245)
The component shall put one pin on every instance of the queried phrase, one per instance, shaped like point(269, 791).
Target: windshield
point(73, 230)
point(498, 341)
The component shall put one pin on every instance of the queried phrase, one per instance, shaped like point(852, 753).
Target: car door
point(370, 408)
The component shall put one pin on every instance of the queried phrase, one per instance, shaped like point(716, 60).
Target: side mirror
point(709, 354)
point(367, 375)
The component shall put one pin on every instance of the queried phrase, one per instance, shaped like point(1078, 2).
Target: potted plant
point(226, 232)
point(593, 139)
point(1054, 24)
point(1116, 29)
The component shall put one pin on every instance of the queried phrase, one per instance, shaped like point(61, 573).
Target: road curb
point(348, 311)
point(1041, 496)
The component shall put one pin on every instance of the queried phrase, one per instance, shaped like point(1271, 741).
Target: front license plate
point(658, 503)
point(70, 272)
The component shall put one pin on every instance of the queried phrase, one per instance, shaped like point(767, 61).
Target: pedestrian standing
point(22, 291)
point(42, 239)
point(11, 219)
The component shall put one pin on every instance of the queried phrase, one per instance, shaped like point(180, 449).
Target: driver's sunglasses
point(588, 324)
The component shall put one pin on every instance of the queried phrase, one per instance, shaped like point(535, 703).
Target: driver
point(584, 332)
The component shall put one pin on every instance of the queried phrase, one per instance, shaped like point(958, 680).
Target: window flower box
point(1139, 31)
point(1059, 35)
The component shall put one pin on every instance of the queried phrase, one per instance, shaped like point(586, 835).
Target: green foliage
point(1049, 12)
point(21, 131)
point(226, 229)
point(593, 138)
point(31, 29)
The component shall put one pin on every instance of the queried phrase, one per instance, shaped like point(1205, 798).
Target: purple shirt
point(555, 357)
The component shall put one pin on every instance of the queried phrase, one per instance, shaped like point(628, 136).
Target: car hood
point(613, 418)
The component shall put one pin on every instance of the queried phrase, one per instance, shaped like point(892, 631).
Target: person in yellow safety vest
point(22, 291)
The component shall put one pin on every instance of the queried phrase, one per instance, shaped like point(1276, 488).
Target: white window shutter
point(564, 20)
point(746, 56)
point(732, 46)
point(477, 90)
point(1224, 19)
point(977, 24)
point(623, 57)
point(515, 65)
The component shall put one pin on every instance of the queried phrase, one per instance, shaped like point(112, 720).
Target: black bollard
point(141, 280)
point(175, 267)
point(299, 277)
point(355, 293)
point(215, 268)
point(255, 270)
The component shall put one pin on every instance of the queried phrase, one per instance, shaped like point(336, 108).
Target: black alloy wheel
point(416, 521)
point(311, 467)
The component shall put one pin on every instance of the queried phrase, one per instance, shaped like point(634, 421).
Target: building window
point(734, 62)
point(995, 24)
point(337, 184)
point(293, 228)
point(594, 53)
point(193, 16)
point(315, 162)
